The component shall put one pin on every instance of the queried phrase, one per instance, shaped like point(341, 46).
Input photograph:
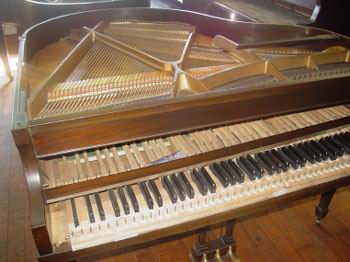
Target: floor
point(286, 233)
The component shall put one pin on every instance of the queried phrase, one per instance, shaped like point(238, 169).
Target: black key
point(245, 165)
point(89, 209)
point(317, 151)
point(343, 142)
point(332, 155)
point(202, 187)
point(255, 165)
point(333, 150)
point(186, 185)
point(123, 200)
point(285, 154)
point(169, 189)
point(132, 198)
point(237, 172)
point(146, 195)
point(298, 153)
point(261, 159)
point(336, 144)
point(295, 156)
point(280, 157)
point(114, 202)
point(277, 158)
point(325, 152)
point(101, 212)
point(155, 191)
point(220, 174)
point(178, 188)
point(227, 170)
point(310, 154)
point(279, 164)
point(210, 182)
point(275, 167)
point(74, 212)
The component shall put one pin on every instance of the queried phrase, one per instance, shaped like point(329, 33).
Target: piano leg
point(322, 209)
point(229, 241)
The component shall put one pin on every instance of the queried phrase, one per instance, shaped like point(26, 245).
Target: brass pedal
point(232, 255)
point(218, 250)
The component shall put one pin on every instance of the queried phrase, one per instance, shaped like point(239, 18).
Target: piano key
point(293, 155)
point(146, 194)
point(141, 159)
point(87, 164)
point(191, 145)
point(74, 212)
point(163, 147)
point(238, 173)
point(261, 159)
point(149, 152)
point(343, 142)
point(178, 187)
point(132, 198)
point(211, 184)
point(310, 154)
point(202, 186)
point(336, 144)
point(107, 205)
point(329, 152)
point(220, 174)
point(79, 167)
point(245, 165)
point(279, 157)
point(130, 157)
point(82, 212)
point(101, 211)
point(320, 148)
point(336, 152)
point(303, 154)
point(119, 163)
point(279, 164)
point(230, 172)
point(255, 165)
point(155, 192)
point(89, 209)
point(164, 194)
point(291, 159)
point(169, 189)
point(298, 153)
point(186, 185)
point(56, 174)
point(123, 200)
point(320, 156)
point(101, 163)
point(114, 202)
point(110, 164)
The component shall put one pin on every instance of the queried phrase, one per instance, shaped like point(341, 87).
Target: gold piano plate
point(123, 64)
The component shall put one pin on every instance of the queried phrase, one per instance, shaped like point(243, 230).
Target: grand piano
point(137, 125)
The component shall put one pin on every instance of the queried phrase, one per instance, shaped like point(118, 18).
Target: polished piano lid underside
point(132, 63)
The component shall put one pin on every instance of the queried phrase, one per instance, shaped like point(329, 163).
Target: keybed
point(133, 209)
point(117, 159)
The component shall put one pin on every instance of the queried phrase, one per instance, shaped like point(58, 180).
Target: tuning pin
point(232, 256)
point(217, 256)
point(204, 259)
